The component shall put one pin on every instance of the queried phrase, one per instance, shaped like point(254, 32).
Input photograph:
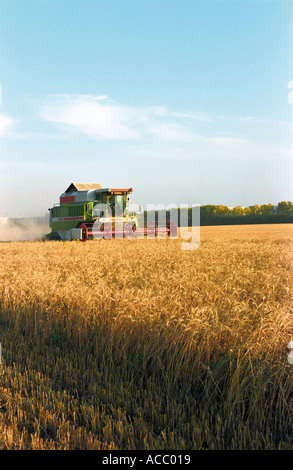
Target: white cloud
point(222, 148)
point(191, 115)
point(99, 117)
point(6, 123)
point(173, 132)
point(158, 132)
point(96, 117)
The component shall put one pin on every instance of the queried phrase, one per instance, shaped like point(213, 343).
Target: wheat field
point(137, 344)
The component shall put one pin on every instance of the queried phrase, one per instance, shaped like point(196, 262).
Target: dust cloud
point(11, 230)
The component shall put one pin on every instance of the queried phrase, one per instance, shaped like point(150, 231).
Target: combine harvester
point(87, 210)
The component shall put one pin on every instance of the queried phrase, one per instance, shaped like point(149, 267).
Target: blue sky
point(187, 101)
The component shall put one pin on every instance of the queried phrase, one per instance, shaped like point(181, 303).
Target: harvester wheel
point(173, 229)
point(152, 230)
point(108, 230)
point(53, 236)
point(84, 232)
point(129, 230)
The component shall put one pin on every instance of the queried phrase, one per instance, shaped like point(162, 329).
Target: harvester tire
point(129, 230)
point(152, 230)
point(84, 232)
point(108, 230)
point(53, 236)
point(173, 229)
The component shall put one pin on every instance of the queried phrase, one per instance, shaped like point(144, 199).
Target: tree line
point(256, 214)
point(211, 214)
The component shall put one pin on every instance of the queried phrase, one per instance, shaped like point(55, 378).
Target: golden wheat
point(137, 344)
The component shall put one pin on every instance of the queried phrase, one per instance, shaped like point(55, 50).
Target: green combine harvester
point(87, 210)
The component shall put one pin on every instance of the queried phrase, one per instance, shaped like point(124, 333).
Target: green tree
point(267, 209)
point(246, 211)
point(255, 209)
point(285, 207)
point(221, 210)
point(207, 210)
point(238, 210)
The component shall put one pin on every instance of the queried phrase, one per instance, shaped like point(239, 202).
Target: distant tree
point(246, 211)
point(207, 210)
point(211, 210)
point(267, 209)
point(285, 207)
point(255, 209)
point(238, 210)
point(221, 210)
